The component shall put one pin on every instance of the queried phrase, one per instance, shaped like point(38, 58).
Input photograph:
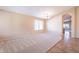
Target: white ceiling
point(37, 11)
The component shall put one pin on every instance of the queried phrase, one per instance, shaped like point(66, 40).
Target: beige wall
point(14, 23)
point(77, 22)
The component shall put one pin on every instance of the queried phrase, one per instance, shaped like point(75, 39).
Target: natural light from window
point(38, 25)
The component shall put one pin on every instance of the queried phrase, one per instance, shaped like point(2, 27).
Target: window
point(66, 25)
point(38, 25)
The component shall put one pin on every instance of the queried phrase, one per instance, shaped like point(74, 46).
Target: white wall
point(54, 26)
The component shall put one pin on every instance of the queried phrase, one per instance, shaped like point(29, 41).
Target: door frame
point(63, 23)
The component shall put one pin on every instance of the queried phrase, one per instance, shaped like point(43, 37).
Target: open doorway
point(67, 26)
point(67, 29)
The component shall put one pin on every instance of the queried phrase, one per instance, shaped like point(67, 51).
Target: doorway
point(67, 30)
point(67, 26)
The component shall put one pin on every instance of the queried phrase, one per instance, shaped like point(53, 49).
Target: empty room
point(39, 29)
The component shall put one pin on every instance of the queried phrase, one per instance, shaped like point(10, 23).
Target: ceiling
point(37, 11)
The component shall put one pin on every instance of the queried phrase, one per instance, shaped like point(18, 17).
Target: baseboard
point(75, 38)
point(52, 46)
